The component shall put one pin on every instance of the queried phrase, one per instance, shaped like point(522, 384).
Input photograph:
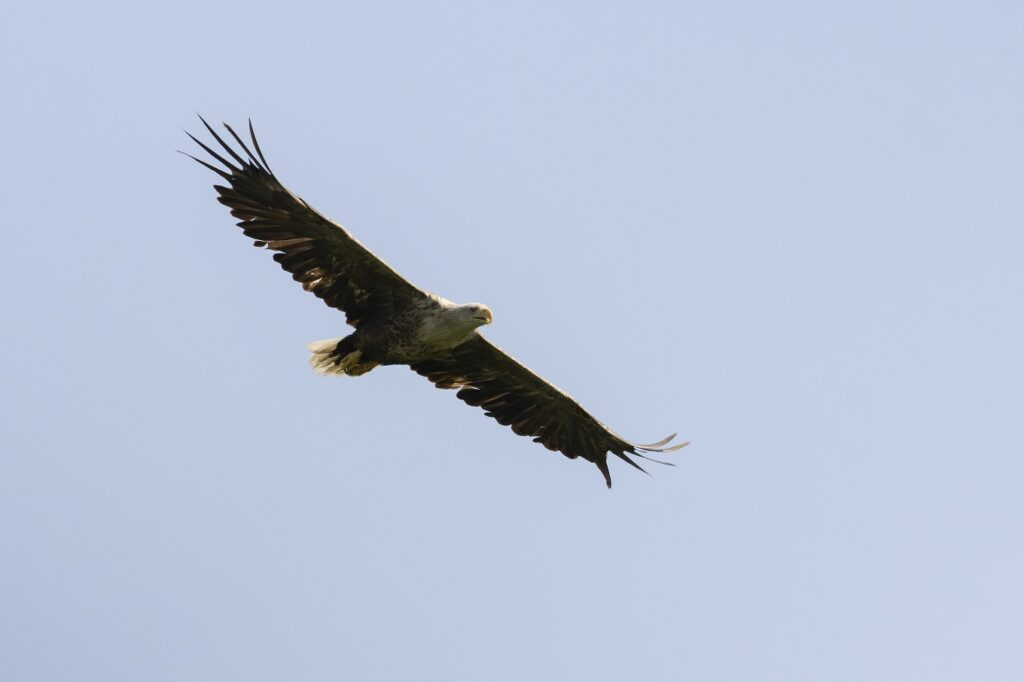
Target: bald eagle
point(397, 323)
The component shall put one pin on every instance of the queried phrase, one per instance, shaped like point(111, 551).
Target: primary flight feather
point(397, 323)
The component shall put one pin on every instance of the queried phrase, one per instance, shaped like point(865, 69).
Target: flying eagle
point(397, 323)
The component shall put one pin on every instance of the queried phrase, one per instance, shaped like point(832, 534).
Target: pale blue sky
point(790, 231)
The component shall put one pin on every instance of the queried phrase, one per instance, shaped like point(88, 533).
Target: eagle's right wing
point(516, 397)
point(319, 253)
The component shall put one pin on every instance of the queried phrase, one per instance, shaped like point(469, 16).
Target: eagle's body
point(397, 323)
point(428, 328)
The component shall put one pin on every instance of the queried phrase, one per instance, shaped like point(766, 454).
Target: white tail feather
point(322, 361)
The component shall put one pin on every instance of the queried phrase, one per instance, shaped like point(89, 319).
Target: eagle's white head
point(452, 323)
point(476, 314)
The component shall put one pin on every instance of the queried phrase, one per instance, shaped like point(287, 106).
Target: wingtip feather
point(663, 441)
point(256, 145)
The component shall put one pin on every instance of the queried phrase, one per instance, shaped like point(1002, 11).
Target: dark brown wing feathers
point(320, 254)
point(512, 395)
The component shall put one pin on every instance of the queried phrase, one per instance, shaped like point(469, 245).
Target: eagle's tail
point(334, 356)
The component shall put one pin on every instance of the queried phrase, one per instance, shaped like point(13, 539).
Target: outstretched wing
point(319, 253)
point(510, 393)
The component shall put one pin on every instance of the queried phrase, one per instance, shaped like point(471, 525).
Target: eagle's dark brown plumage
point(397, 323)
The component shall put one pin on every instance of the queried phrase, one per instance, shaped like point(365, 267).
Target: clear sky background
point(790, 231)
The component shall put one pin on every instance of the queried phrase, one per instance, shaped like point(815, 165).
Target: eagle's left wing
point(510, 393)
point(318, 252)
